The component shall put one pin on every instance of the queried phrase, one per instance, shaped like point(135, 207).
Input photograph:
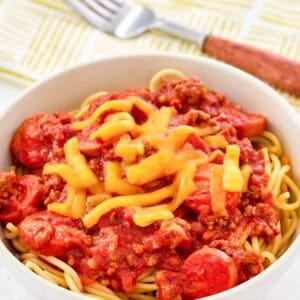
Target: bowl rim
point(277, 99)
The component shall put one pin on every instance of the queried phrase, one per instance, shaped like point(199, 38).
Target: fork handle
point(179, 31)
point(279, 71)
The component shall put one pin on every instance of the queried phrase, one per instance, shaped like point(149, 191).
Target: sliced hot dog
point(50, 234)
point(208, 271)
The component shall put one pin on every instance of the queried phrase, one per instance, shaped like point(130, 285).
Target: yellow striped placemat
point(39, 37)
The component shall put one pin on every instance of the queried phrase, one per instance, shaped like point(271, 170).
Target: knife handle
point(279, 71)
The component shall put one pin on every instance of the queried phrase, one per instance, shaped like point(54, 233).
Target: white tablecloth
point(289, 289)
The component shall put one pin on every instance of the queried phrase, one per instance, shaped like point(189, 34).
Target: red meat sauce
point(197, 254)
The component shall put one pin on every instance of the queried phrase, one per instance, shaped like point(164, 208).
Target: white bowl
point(66, 90)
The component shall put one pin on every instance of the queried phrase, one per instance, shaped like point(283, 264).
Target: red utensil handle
point(280, 72)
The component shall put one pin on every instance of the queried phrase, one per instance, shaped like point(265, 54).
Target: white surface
point(9, 288)
point(282, 282)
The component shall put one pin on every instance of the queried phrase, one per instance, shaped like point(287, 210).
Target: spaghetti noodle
point(159, 179)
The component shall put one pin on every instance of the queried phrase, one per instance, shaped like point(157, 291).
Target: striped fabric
point(39, 37)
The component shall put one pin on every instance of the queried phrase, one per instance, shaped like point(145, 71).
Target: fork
point(126, 20)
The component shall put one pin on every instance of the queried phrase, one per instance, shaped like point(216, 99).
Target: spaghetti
point(159, 180)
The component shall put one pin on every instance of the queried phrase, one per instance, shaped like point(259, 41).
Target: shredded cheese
point(141, 200)
point(78, 206)
point(184, 186)
point(179, 135)
point(218, 194)
point(121, 105)
point(129, 149)
point(96, 189)
point(73, 207)
point(246, 172)
point(95, 200)
point(158, 163)
point(114, 128)
point(114, 182)
point(114, 105)
point(142, 105)
point(233, 180)
point(148, 216)
point(158, 121)
point(75, 159)
point(76, 172)
point(66, 172)
point(217, 141)
point(64, 208)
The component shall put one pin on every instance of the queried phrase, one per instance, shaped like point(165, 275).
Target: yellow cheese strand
point(233, 180)
point(179, 135)
point(184, 185)
point(187, 156)
point(113, 105)
point(96, 189)
point(246, 172)
point(165, 161)
point(218, 194)
point(113, 129)
point(204, 130)
point(75, 159)
point(79, 205)
point(129, 149)
point(214, 155)
point(66, 172)
point(158, 163)
point(123, 105)
point(73, 207)
point(217, 141)
point(148, 216)
point(158, 121)
point(97, 199)
point(114, 182)
point(64, 208)
point(141, 200)
point(142, 105)
point(76, 172)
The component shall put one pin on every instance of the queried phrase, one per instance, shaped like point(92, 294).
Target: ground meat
point(264, 220)
point(225, 113)
point(54, 189)
point(180, 94)
point(257, 184)
point(172, 234)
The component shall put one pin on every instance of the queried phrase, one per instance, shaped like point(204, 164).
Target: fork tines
point(97, 12)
